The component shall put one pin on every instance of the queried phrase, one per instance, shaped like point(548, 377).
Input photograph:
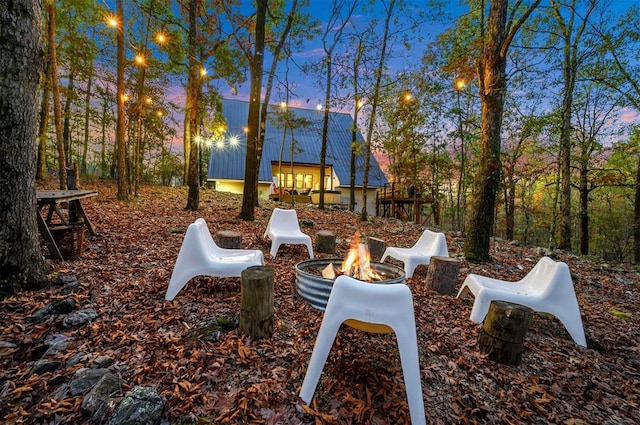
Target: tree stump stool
point(376, 248)
point(504, 330)
point(229, 239)
point(442, 274)
point(325, 242)
point(256, 302)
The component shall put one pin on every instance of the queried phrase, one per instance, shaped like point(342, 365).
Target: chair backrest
point(433, 243)
point(207, 240)
point(547, 276)
point(283, 221)
point(375, 303)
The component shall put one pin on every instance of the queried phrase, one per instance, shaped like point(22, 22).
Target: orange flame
point(357, 263)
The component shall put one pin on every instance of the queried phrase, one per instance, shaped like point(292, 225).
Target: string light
point(112, 21)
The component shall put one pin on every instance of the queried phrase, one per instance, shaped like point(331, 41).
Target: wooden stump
point(442, 274)
point(229, 239)
point(325, 242)
point(256, 302)
point(504, 330)
point(376, 248)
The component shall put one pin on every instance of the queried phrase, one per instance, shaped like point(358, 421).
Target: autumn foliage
point(125, 271)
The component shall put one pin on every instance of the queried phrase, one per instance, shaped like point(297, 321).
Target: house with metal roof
point(291, 155)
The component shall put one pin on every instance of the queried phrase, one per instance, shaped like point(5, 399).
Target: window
point(308, 181)
point(302, 181)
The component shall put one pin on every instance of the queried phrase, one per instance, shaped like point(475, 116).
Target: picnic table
point(51, 216)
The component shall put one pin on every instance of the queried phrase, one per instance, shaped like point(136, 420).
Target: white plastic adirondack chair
point(547, 288)
point(284, 228)
point(374, 308)
point(199, 255)
point(430, 244)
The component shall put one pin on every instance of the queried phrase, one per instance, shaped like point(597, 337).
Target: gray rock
point(76, 358)
point(108, 385)
point(79, 318)
point(63, 280)
point(102, 362)
point(62, 392)
point(85, 380)
point(44, 366)
point(140, 406)
point(56, 343)
point(66, 306)
point(58, 307)
point(70, 288)
point(44, 313)
point(8, 345)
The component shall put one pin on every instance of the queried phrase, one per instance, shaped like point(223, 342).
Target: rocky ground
point(105, 316)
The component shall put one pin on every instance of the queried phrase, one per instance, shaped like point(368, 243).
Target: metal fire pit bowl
point(315, 289)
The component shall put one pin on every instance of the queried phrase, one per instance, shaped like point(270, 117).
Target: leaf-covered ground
point(125, 271)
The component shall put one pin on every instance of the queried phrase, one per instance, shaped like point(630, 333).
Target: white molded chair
point(283, 227)
point(430, 244)
point(376, 308)
point(199, 255)
point(547, 288)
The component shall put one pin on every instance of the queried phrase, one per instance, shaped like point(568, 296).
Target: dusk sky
point(308, 92)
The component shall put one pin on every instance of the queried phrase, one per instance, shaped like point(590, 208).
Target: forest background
point(406, 70)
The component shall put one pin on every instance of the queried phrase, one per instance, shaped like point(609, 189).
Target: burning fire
point(357, 263)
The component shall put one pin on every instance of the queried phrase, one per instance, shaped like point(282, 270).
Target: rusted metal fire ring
point(315, 289)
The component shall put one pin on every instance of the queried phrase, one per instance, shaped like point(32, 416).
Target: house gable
point(228, 162)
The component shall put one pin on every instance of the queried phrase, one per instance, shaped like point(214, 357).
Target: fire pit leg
point(256, 302)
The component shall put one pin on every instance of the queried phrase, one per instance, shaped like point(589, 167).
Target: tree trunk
point(584, 206)
point(571, 53)
point(41, 173)
point(325, 132)
point(87, 113)
point(104, 168)
point(374, 106)
point(636, 216)
point(354, 131)
point(123, 182)
point(57, 114)
point(264, 108)
point(510, 207)
point(186, 136)
point(66, 123)
point(254, 132)
point(564, 221)
point(21, 62)
point(193, 173)
point(492, 81)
